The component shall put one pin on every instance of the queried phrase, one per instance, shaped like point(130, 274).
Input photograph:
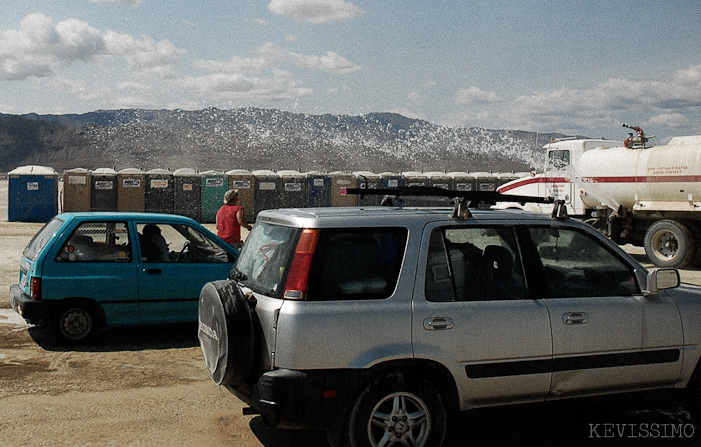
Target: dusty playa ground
point(149, 387)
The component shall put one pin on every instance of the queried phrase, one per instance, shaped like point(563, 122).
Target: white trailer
point(646, 196)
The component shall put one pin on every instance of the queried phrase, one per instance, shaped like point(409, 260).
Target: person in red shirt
point(230, 218)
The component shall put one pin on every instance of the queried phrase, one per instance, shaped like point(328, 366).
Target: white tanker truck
point(635, 193)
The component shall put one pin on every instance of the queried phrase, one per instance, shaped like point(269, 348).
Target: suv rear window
point(356, 264)
point(40, 239)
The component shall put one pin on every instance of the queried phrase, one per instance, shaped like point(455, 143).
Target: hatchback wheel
point(75, 324)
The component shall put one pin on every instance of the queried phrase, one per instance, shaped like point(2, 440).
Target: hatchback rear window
point(39, 241)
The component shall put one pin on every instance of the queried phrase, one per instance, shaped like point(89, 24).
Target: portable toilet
point(318, 189)
point(245, 183)
point(462, 181)
point(414, 179)
point(486, 181)
point(159, 191)
point(340, 181)
point(131, 190)
point(103, 191)
point(267, 189)
point(438, 179)
point(76, 190)
point(506, 177)
point(32, 194)
point(368, 180)
point(187, 193)
point(293, 191)
point(214, 186)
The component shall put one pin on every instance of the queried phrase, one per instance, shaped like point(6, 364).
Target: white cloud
point(316, 11)
point(237, 87)
point(41, 48)
point(473, 95)
point(270, 55)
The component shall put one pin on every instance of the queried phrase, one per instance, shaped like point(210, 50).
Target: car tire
point(76, 323)
point(225, 332)
point(669, 244)
point(397, 405)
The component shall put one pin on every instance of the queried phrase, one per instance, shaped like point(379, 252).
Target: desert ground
point(150, 387)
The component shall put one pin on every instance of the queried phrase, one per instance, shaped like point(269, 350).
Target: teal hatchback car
point(83, 272)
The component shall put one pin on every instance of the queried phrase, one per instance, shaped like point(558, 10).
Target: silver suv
point(378, 323)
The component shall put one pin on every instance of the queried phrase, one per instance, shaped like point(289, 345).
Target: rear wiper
point(236, 275)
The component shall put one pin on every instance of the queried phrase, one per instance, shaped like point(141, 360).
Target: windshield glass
point(40, 239)
point(266, 256)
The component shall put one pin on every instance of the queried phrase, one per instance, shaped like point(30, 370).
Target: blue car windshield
point(40, 239)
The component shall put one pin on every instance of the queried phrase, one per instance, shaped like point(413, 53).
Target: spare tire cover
point(225, 331)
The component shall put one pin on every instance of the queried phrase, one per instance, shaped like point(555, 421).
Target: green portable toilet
point(103, 193)
point(76, 190)
point(340, 181)
point(245, 182)
point(187, 193)
point(214, 186)
point(318, 185)
point(159, 191)
point(131, 190)
point(32, 194)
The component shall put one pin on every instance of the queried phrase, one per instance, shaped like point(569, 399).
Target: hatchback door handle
point(575, 318)
point(438, 323)
point(152, 271)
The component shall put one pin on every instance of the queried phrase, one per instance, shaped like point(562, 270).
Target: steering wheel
point(182, 256)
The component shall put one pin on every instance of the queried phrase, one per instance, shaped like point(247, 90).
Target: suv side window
point(97, 242)
point(576, 264)
point(474, 264)
point(356, 264)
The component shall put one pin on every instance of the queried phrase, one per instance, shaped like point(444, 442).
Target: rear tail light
point(296, 285)
point(35, 288)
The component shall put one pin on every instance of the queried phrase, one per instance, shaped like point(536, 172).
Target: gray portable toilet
point(245, 182)
point(462, 181)
point(32, 194)
point(76, 190)
point(159, 191)
point(214, 186)
point(187, 193)
point(414, 179)
point(340, 181)
point(368, 180)
point(318, 189)
point(293, 191)
point(438, 179)
point(267, 190)
point(103, 191)
point(131, 190)
point(486, 181)
point(506, 177)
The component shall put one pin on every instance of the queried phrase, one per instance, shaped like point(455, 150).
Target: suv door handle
point(575, 318)
point(438, 323)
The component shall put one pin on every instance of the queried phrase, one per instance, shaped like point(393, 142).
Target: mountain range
point(254, 139)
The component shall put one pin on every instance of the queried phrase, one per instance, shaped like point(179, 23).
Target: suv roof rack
point(463, 199)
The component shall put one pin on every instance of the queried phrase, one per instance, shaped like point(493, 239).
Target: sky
point(575, 67)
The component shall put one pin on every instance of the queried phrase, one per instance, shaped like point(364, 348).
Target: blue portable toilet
point(318, 189)
point(32, 194)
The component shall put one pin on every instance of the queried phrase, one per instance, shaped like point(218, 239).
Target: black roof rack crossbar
point(431, 191)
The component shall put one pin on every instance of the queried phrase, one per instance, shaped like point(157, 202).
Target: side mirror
point(661, 278)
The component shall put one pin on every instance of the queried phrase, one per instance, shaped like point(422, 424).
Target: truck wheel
point(225, 331)
point(669, 244)
point(397, 409)
point(76, 323)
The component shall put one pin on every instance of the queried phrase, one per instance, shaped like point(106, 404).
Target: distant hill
point(251, 138)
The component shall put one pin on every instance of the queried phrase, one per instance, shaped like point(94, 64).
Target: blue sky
point(576, 67)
